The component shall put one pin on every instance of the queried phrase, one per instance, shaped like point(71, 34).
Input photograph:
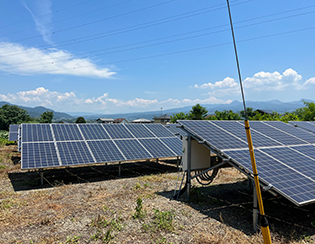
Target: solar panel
point(159, 130)
point(176, 130)
point(285, 180)
point(132, 149)
point(36, 133)
point(139, 130)
point(157, 148)
point(93, 131)
point(214, 134)
point(174, 143)
point(297, 132)
point(278, 135)
point(74, 153)
point(117, 131)
point(77, 144)
point(237, 128)
point(105, 151)
point(288, 162)
point(307, 125)
point(66, 132)
point(13, 132)
point(38, 155)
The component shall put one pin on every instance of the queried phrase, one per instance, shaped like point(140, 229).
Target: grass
point(163, 220)
point(140, 211)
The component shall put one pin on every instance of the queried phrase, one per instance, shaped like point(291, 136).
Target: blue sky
point(135, 55)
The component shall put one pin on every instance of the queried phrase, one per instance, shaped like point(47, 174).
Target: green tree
point(306, 113)
point(46, 117)
point(178, 116)
point(250, 112)
point(198, 112)
point(226, 115)
point(289, 117)
point(80, 120)
point(12, 114)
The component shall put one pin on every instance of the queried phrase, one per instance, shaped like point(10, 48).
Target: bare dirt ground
point(93, 205)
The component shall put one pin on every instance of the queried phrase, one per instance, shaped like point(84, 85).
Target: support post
point(157, 160)
point(41, 173)
point(250, 184)
point(255, 208)
point(119, 169)
point(177, 163)
point(188, 167)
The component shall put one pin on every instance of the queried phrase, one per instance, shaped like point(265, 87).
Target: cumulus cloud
point(69, 101)
point(17, 59)
point(261, 81)
point(266, 81)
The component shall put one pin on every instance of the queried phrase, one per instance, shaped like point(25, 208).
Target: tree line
point(198, 112)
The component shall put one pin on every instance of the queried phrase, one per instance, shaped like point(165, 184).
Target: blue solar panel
point(93, 131)
point(39, 155)
point(105, 151)
point(176, 130)
point(159, 130)
point(139, 130)
point(175, 144)
point(308, 150)
point(74, 153)
point(36, 133)
point(275, 134)
point(299, 133)
point(293, 159)
point(132, 149)
point(213, 134)
point(117, 131)
point(306, 125)
point(157, 148)
point(13, 133)
point(237, 128)
point(66, 132)
point(287, 181)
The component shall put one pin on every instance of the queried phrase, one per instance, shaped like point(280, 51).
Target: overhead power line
point(148, 43)
point(185, 50)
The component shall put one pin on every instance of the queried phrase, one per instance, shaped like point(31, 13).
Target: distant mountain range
point(37, 111)
point(236, 106)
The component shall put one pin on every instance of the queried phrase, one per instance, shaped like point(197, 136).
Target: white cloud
point(265, 81)
point(17, 59)
point(42, 16)
point(226, 83)
point(69, 101)
point(307, 84)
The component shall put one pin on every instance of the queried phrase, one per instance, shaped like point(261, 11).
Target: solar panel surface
point(76, 144)
point(13, 132)
point(306, 125)
point(288, 162)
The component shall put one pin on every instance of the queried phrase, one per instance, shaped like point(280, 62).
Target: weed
point(137, 186)
point(2, 166)
point(140, 212)
point(6, 204)
point(74, 239)
point(164, 220)
point(162, 241)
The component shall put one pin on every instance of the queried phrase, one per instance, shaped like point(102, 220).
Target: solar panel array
point(306, 125)
point(13, 133)
point(53, 145)
point(176, 130)
point(285, 155)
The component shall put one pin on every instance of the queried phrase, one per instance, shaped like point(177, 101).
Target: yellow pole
point(264, 222)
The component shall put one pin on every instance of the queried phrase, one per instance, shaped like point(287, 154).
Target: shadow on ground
point(232, 204)
point(27, 180)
